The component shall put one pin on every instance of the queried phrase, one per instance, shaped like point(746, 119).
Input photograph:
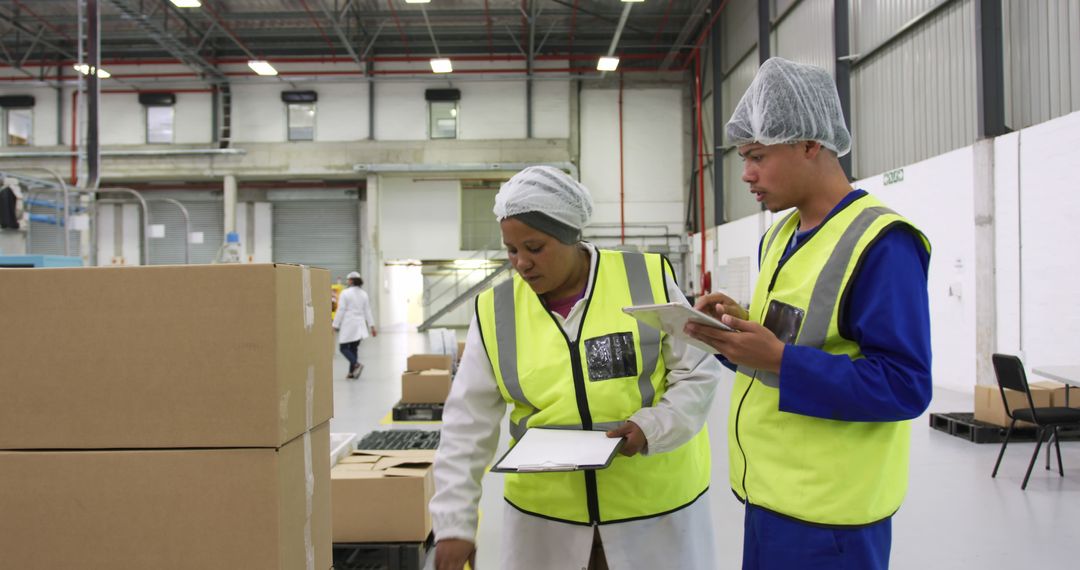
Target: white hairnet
point(352, 275)
point(790, 102)
point(547, 190)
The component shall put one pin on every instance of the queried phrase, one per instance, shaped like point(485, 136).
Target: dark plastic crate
point(417, 412)
point(400, 439)
point(382, 555)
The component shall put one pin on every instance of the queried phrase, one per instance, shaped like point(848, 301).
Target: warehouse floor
point(955, 515)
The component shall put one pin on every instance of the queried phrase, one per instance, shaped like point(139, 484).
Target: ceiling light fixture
point(86, 69)
point(262, 67)
point(441, 65)
point(417, 1)
point(607, 64)
point(186, 3)
point(632, 1)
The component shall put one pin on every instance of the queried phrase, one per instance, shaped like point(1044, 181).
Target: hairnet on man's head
point(789, 102)
point(545, 190)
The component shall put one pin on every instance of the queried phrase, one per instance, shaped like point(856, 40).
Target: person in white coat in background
point(353, 321)
point(554, 343)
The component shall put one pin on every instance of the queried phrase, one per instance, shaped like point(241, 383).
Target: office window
point(159, 125)
point(301, 121)
point(20, 126)
point(479, 228)
point(443, 123)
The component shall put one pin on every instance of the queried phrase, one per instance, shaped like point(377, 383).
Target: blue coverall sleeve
point(888, 315)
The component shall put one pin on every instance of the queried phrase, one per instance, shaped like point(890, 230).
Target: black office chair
point(1010, 375)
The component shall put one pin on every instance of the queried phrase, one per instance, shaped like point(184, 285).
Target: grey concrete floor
point(955, 515)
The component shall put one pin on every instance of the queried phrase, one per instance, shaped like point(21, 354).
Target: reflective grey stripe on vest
point(826, 293)
point(506, 341)
point(772, 238)
point(637, 275)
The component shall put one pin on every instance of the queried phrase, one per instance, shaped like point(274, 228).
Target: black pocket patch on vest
point(611, 356)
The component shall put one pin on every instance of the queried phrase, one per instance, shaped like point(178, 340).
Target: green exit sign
point(894, 176)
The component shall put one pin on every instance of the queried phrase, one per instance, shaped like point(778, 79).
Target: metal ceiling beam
point(15, 23)
point(684, 33)
point(340, 33)
point(170, 43)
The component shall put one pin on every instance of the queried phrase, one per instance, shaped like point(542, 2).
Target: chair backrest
point(1010, 375)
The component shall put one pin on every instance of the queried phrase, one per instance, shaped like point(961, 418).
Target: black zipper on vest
point(592, 499)
point(738, 442)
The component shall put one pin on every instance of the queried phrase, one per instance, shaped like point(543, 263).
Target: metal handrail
point(63, 189)
point(146, 218)
point(183, 210)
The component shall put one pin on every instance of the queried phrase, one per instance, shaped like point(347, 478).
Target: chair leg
point(1057, 446)
point(1001, 453)
point(1049, 448)
point(1040, 433)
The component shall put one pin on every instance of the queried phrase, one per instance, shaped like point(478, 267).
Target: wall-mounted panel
point(916, 98)
point(806, 34)
point(1042, 60)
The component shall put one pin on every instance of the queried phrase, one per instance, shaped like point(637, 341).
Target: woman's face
point(545, 263)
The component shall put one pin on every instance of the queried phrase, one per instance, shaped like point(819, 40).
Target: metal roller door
point(45, 238)
point(207, 216)
point(321, 233)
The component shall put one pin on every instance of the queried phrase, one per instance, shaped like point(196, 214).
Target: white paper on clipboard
point(672, 317)
point(559, 450)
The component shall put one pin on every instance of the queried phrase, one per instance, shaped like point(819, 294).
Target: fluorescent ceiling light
point(626, 1)
point(417, 1)
point(607, 64)
point(441, 65)
point(186, 3)
point(85, 70)
point(262, 67)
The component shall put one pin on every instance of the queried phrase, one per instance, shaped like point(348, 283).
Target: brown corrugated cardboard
point(211, 509)
point(382, 496)
point(419, 362)
point(460, 350)
point(425, 387)
point(988, 406)
point(163, 356)
point(1057, 393)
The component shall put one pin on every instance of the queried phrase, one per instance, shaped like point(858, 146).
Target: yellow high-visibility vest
point(813, 469)
point(597, 381)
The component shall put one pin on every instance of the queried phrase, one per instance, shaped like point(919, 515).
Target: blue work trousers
point(351, 352)
point(775, 542)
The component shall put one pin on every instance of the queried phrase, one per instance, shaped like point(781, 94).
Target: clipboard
point(672, 317)
point(545, 450)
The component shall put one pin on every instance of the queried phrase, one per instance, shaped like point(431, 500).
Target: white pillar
point(230, 204)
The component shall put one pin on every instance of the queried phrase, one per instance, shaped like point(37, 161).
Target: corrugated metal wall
point(207, 212)
point(1042, 60)
point(806, 34)
point(916, 98)
point(738, 30)
point(738, 202)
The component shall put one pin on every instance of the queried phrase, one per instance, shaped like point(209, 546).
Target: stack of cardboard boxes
point(1044, 394)
point(382, 496)
point(165, 417)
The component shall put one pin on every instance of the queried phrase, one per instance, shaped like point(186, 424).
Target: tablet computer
point(672, 317)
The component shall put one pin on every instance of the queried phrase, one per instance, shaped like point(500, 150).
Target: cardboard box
point(419, 362)
point(163, 356)
point(460, 350)
point(211, 509)
point(425, 387)
point(382, 496)
point(1057, 393)
point(989, 408)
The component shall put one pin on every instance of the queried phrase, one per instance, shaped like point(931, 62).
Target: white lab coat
point(474, 415)
point(353, 318)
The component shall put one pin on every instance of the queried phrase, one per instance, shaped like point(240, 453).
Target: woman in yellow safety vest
point(554, 344)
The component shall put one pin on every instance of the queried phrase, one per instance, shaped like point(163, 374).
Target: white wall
point(407, 228)
point(653, 159)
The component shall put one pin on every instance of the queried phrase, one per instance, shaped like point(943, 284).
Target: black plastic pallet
point(382, 555)
point(400, 439)
point(965, 426)
point(417, 412)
